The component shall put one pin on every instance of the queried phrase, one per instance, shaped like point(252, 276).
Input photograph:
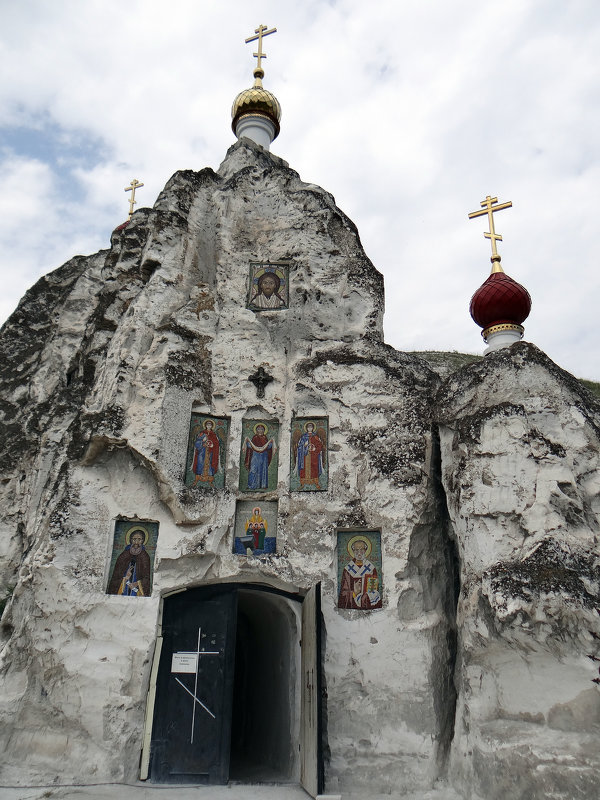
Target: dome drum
point(258, 127)
point(502, 327)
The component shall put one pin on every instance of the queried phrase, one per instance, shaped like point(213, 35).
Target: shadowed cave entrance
point(265, 714)
point(237, 697)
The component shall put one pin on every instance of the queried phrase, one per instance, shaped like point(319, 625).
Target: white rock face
point(104, 361)
point(520, 466)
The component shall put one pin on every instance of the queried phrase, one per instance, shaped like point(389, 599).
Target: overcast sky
point(409, 112)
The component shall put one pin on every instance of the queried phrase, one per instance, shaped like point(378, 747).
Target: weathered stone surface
point(106, 358)
point(520, 459)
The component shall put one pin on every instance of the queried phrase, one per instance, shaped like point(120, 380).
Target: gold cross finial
point(135, 184)
point(260, 32)
point(489, 207)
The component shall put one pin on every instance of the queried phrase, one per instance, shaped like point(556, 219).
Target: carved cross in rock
point(260, 380)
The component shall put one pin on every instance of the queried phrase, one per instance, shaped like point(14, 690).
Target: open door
point(235, 694)
point(311, 756)
point(192, 715)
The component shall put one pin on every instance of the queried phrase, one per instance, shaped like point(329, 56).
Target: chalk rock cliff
point(485, 488)
point(521, 472)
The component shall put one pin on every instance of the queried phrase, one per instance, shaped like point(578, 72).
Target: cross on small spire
point(135, 184)
point(260, 32)
point(489, 207)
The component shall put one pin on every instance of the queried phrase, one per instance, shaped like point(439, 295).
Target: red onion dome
point(500, 301)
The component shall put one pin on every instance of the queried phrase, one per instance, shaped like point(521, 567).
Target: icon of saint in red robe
point(206, 454)
point(310, 457)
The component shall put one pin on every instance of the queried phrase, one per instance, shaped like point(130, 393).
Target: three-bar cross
point(135, 184)
point(260, 32)
point(489, 207)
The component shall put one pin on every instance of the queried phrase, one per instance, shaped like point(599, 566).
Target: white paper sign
point(184, 662)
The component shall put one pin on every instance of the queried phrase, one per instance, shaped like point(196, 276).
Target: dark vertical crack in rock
point(445, 650)
point(433, 574)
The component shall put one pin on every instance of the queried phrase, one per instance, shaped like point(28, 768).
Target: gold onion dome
point(256, 101)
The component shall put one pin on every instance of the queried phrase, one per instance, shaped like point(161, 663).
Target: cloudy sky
point(409, 112)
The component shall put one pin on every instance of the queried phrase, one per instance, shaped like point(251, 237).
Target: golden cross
point(135, 184)
point(489, 207)
point(260, 32)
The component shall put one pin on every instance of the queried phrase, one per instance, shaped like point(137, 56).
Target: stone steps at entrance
point(145, 791)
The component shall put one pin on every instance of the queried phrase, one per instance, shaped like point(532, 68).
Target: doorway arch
point(231, 688)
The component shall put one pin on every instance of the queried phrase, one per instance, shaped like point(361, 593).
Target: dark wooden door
point(192, 714)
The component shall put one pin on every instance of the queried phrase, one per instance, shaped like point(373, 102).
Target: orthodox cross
point(489, 207)
point(190, 662)
point(135, 184)
point(260, 380)
point(260, 32)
